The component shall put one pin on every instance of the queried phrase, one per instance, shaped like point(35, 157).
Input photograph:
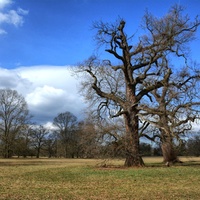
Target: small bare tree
point(14, 116)
point(66, 124)
point(89, 140)
point(23, 142)
point(38, 138)
point(119, 89)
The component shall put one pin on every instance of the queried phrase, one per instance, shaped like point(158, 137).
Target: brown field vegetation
point(98, 179)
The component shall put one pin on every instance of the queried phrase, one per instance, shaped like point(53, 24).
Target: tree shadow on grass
point(190, 163)
point(178, 164)
point(107, 165)
point(30, 163)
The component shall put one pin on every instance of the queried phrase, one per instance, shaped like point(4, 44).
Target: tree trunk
point(133, 157)
point(169, 153)
point(133, 161)
point(38, 153)
point(66, 151)
point(7, 151)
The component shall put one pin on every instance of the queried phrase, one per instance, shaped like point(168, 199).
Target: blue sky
point(58, 32)
point(40, 39)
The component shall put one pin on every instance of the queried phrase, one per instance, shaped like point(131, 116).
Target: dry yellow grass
point(83, 179)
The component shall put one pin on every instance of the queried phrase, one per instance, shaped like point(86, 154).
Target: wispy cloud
point(11, 16)
point(2, 31)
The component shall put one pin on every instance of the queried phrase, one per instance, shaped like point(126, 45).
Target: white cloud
point(195, 126)
point(46, 101)
point(4, 3)
point(11, 17)
point(44, 96)
point(48, 90)
point(11, 79)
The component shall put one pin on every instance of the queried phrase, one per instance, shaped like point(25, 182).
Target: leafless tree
point(89, 140)
point(119, 89)
point(51, 145)
point(193, 146)
point(66, 124)
point(14, 116)
point(23, 142)
point(175, 108)
point(38, 136)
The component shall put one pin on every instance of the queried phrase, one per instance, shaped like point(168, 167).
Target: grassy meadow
point(84, 179)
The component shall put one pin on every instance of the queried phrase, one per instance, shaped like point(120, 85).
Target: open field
point(83, 179)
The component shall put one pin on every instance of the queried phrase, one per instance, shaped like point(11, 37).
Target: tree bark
point(133, 157)
point(169, 153)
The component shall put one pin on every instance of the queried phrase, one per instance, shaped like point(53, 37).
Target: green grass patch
point(84, 179)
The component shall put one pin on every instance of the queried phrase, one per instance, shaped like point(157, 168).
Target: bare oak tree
point(14, 116)
point(119, 89)
point(174, 108)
